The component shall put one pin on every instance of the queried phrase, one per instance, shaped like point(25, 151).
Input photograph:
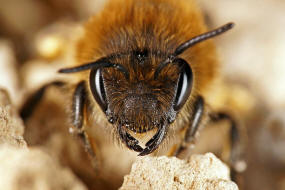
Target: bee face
point(140, 96)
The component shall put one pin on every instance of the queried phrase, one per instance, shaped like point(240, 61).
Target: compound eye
point(97, 88)
point(184, 85)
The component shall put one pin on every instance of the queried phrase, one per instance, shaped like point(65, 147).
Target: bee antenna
point(184, 46)
point(193, 41)
point(101, 63)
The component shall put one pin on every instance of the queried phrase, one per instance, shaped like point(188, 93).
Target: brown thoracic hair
point(159, 26)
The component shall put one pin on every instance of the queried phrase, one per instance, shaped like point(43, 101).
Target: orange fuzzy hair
point(158, 25)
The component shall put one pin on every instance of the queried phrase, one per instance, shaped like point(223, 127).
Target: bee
point(145, 66)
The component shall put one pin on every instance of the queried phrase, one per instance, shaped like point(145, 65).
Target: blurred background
point(37, 36)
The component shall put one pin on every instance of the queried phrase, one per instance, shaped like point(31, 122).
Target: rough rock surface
point(11, 126)
point(200, 172)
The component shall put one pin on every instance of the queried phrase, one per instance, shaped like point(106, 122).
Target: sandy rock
point(199, 172)
point(32, 169)
point(11, 126)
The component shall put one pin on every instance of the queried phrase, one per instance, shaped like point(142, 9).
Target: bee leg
point(31, 103)
point(236, 161)
point(191, 131)
point(78, 105)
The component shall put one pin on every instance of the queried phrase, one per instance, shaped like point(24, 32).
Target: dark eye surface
point(184, 85)
point(97, 88)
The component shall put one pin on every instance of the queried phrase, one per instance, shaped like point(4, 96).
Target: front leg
point(193, 128)
point(78, 105)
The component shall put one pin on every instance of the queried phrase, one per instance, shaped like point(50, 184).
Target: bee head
point(142, 90)
point(140, 96)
